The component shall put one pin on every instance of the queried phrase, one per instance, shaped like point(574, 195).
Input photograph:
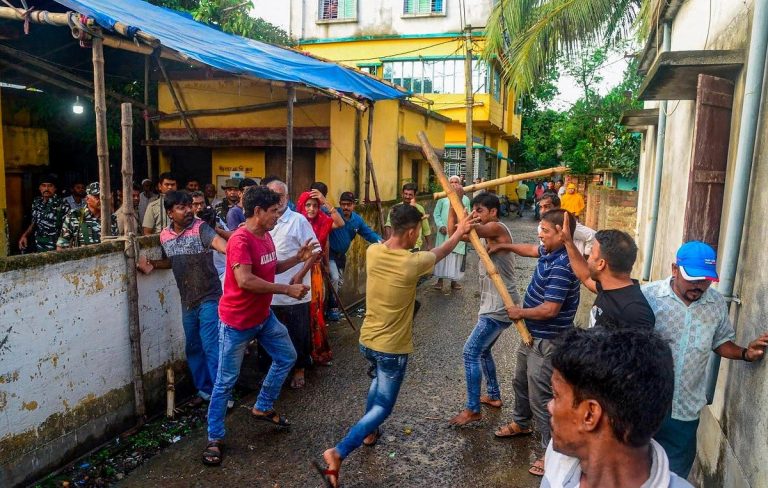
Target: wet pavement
point(418, 448)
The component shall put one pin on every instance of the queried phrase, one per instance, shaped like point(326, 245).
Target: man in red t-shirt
point(245, 315)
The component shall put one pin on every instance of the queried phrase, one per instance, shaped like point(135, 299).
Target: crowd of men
point(615, 404)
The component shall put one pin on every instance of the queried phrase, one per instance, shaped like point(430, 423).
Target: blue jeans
point(201, 332)
point(678, 438)
point(382, 395)
point(478, 360)
point(273, 337)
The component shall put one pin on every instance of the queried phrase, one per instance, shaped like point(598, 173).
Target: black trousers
point(296, 320)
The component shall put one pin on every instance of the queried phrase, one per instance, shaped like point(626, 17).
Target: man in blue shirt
point(548, 309)
point(340, 240)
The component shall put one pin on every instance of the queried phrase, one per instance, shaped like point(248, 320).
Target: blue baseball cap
point(697, 261)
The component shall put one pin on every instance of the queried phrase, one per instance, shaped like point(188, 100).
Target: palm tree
point(528, 36)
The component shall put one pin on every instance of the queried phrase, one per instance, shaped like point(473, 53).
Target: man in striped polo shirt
point(549, 307)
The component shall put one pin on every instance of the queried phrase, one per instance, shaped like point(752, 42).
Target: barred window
point(423, 7)
point(436, 75)
point(337, 9)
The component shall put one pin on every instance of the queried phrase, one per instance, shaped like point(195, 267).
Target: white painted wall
point(67, 336)
point(732, 445)
point(383, 18)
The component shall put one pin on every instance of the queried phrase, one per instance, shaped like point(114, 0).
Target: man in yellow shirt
point(393, 271)
point(572, 201)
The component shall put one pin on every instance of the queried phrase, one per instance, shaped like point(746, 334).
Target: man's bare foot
point(465, 417)
point(298, 379)
point(333, 460)
point(537, 468)
point(486, 400)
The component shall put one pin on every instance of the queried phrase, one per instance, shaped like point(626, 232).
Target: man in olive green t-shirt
point(425, 231)
point(386, 335)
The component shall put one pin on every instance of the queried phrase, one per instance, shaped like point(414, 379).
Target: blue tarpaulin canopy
point(228, 52)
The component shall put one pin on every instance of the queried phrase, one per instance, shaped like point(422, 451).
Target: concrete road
point(418, 448)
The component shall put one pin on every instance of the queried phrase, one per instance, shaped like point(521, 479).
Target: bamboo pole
point(176, 102)
point(102, 148)
point(470, 106)
point(507, 179)
point(147, 133)
point(289, 141)
point(501, 287)
point(131, 252)
point(259, 107)
point(369, 165)
point(170, 393)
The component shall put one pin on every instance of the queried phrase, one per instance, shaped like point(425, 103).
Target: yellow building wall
point(341, 167)
point(3, 205)
point(384, 148)
point(207, 94)
point(25, 146)
point(247, 160)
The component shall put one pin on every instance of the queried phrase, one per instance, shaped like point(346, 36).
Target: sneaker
point(230, 404)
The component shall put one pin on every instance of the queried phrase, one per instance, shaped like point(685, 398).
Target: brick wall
point(611, 209)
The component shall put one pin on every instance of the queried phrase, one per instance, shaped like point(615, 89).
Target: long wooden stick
point(328, 281)
point(507, 179)
point(369, 165)
point(458, 207)
point(134, 327)
point(102, 147)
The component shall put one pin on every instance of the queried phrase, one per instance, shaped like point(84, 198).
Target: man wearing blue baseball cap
point(694, 319)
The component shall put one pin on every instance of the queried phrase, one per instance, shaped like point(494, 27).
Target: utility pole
point(470, 167)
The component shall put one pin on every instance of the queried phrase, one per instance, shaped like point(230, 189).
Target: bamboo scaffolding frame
point(507, 179)
point(457, 206)
point(102, 145)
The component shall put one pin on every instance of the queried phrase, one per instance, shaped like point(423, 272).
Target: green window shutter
point(348, 9)
point(425, 6)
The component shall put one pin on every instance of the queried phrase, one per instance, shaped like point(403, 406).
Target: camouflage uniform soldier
point(48, 211)
point(232, 191)
point(83, 226)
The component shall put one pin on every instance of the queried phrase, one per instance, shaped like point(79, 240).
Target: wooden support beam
point(176, 101)
point(372, 170)
point(39, 63)
point(369, 138)
point(289, 140)
point(147, 133)
point(259, 107)
point(48, 79)
point(102, 147)
point(507, 179)
point(458, 207)
point(131, 254)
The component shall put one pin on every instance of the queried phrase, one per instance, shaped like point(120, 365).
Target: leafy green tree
point(528, 37)
point(231, 16)
point(588, 134)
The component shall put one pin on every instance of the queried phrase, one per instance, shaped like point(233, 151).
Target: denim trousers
point(201, 335)
point(678, 438)
point(388, 371)
point(273, 336)
point(533, 386)
point(478, 360)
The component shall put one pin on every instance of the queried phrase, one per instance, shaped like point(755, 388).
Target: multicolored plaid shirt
point(693, 332)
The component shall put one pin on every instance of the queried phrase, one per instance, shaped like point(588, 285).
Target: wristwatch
point(744, 355)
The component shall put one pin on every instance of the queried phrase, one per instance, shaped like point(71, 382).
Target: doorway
point(303, 168)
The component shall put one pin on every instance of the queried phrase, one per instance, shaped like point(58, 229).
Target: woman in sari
point(309, 205)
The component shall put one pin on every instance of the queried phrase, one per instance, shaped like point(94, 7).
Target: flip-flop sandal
point(506, 431)
point(211, 457)
point(270, 417)
point(537, 468)
point(376, 437)
point(456, 286)
point(325, 473)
